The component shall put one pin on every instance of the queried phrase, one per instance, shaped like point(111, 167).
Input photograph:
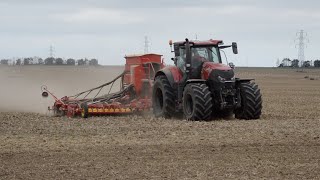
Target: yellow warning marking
point(117, 110)
point(111, 110)
point(90, 110)
point(95, 110)
point(106, 110)
point(128, 110)
point(123, 110)
point(100, 110)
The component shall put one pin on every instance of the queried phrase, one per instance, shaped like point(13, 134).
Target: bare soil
point(283, 144)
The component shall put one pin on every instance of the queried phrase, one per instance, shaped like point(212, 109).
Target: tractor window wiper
point(212, 51)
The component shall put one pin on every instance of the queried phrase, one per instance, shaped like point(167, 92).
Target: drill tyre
point(251, 102)
point(163, 98)
point(197, 102)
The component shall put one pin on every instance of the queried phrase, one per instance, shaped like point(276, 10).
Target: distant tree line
point(316, 63)
point(295, 63)
point(50, 61)
point(4, 61)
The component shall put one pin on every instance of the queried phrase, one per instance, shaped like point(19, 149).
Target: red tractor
point(203, 88)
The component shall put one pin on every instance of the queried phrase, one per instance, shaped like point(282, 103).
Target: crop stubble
point(283, 144)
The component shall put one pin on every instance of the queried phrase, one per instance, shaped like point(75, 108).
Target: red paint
point(176, 73)
point(210, 42)
point(142, 59)
point(139, 69)
point(209, 66)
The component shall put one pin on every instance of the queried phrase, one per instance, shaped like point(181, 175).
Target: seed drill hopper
point(134, 95)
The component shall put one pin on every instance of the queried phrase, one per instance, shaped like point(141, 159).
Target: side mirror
point(231, 65)
point(235, 48)
point(174, 60)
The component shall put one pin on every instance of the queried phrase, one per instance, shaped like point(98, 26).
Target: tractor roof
point(210, 42)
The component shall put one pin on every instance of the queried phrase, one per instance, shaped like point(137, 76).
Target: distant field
point(283, 144)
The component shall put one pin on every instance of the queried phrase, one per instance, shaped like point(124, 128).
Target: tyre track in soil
point(284, 144)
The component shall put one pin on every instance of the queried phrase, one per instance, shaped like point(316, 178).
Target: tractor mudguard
point(173, 74)
point(202, 81)
point(238, 81)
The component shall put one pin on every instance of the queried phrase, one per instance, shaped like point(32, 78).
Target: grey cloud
point(168, 3)
point(110, 29)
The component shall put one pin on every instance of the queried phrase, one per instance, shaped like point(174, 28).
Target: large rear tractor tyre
point(251, 102)
point(163, 98)
point(197, 102)
point(85, 110)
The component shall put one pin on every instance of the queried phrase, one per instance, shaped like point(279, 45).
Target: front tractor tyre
point(251, 102)
point(163, 98)
point(197, 102)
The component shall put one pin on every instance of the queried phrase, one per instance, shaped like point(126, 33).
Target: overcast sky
point(108, 30)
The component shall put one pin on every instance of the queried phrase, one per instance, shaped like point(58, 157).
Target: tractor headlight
point(221, 79)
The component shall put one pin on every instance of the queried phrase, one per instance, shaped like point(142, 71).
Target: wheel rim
point(159, 99)
point(188, 104)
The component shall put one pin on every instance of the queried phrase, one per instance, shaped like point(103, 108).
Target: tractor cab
point(190, 55)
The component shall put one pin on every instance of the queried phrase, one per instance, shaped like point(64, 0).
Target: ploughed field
point(283, 144)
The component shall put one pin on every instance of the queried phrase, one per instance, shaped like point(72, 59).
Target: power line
point(51, 51)
point(146, 45)
point(301, 44)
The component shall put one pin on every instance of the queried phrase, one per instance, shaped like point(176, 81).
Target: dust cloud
point(21, 85)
